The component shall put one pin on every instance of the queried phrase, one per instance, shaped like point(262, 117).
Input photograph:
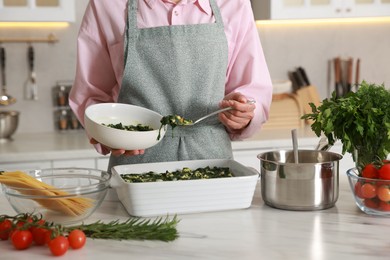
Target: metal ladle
point(5, 99)
point(295, 145)
point(217, 112)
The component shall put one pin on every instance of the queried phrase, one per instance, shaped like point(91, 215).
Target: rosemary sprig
point(163, 229)
point(135, 228)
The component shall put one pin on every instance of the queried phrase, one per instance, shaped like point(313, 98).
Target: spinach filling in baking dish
point(179, 175)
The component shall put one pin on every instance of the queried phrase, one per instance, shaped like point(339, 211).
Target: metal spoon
point(5, 99)
point(217, 112)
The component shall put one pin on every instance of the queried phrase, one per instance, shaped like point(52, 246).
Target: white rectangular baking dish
point(189, 196)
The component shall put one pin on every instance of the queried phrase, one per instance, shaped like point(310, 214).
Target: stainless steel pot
point(8, 124)
point(310, 184)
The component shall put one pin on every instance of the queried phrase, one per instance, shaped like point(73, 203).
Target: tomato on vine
point(39, 236)
point(5, 229)
point(47, 236)
point(21, 239)
point(77, 239)
point(59, 245)
point(38, 231)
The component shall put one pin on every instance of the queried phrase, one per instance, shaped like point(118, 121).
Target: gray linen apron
point(177, 70)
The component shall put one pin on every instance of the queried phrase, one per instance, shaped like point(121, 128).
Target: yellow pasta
point(29, 185)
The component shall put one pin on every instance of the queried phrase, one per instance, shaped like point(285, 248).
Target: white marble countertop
point(259, 232)
point(75, 145)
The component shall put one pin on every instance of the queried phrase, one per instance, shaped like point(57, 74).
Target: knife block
point(285, 112)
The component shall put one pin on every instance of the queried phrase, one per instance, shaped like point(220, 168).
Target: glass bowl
point(70, 196)
point(372, 196)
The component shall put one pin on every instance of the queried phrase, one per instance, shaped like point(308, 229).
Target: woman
point(185, 58)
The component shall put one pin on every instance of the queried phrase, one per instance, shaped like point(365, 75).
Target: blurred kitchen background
point(287, 44)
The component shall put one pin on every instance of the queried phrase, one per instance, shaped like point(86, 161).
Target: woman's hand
point(118, 152)
point(240, 116)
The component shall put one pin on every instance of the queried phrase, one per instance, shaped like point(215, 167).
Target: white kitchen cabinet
point(314, 9)
point(37, 10)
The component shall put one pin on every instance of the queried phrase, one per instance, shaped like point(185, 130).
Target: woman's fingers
point(118, 152)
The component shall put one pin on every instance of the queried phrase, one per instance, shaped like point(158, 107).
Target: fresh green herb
point(138, 127)
point(173, 121)
point(179, 175)
point(360, 120)
point(163, 229)
point(135, 228)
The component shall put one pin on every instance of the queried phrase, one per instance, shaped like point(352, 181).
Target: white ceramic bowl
point(114, 113)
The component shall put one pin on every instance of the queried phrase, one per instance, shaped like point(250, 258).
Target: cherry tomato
point(38, 232)
point(383, 193)
point(368, 191)
point(358, 187)
point(77, 239)
point(5, 229)
point(11, 233)
point(21, 223)
point(39, 235)
point(384, 206)
point(47, 236)
point(59, 245)
point(384, 172)
point(370, 171)
point(22, 239)
point(371, 203)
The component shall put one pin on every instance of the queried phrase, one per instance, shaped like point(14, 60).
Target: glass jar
point(63, 120)
point(62, 96)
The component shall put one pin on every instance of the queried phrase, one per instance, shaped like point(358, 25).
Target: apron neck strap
point(133, 7)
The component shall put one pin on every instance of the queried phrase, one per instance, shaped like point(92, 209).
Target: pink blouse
point(100, 57)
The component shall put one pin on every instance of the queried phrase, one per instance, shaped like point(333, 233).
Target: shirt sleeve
point(95, 80)
point(247, 69)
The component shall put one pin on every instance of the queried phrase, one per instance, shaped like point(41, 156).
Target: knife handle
point(337, 70)
point(30, 55)
point(300, 79)
point(2, 57)
point(349, 74)
point(304, 76)
point(357, 73)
